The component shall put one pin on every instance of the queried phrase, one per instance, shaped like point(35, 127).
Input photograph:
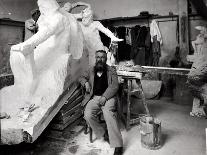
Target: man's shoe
point(106, 136)
point(118, 151)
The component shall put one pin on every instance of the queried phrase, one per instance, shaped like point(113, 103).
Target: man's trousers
point(110, 117)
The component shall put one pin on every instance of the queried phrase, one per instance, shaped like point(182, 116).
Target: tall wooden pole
point(183, 29)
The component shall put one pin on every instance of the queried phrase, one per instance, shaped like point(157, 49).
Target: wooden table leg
point(129, 87)
point(120, 108)
point(143, 97)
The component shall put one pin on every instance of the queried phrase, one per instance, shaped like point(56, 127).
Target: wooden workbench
point(135, 73)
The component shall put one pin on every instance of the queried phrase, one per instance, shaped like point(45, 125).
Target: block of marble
point(40, 66)
point(12, 133)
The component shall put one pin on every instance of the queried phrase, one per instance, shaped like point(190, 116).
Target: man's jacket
point(113, 85)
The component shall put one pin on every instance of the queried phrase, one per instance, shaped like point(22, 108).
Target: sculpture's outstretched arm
point(52, 27)
point(106, 31)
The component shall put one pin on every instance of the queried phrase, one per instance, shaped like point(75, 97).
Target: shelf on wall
point(150, 17)
point(195, 17)
point(10, 22)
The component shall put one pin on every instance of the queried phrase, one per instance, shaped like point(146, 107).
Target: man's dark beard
point(100, 67)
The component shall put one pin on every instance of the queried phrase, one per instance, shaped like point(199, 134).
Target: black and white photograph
point(103, 77)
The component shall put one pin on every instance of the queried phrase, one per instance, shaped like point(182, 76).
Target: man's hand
point(87, 87)
point(102, 101)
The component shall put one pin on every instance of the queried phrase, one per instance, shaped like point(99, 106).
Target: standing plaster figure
point(91, 30)
point(39, 83)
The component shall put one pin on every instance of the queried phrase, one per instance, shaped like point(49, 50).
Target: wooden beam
point(135, 18)
point(75, 116)
point(66, 112)
point(183, 29)
point(166, 70)
point(9, 22)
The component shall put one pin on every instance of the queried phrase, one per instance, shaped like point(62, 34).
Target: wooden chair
point(89, 130)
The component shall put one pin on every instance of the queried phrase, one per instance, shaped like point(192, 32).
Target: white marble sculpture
point(91, 30)
point(39, 79)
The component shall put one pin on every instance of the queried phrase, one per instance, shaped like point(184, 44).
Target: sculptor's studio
point(103, 77)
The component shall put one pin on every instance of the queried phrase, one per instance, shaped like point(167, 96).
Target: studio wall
point(18, 10)
point(104, 9)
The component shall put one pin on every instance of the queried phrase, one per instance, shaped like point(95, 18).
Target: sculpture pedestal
point(197, 108)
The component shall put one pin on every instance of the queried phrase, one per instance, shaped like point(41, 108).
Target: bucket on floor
point(150, 132)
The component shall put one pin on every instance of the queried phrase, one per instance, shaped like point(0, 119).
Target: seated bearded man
point(101, 84)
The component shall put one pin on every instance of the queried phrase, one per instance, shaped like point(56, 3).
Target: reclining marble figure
point(40, 66)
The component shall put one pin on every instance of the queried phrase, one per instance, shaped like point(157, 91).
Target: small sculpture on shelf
point(198, 44)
